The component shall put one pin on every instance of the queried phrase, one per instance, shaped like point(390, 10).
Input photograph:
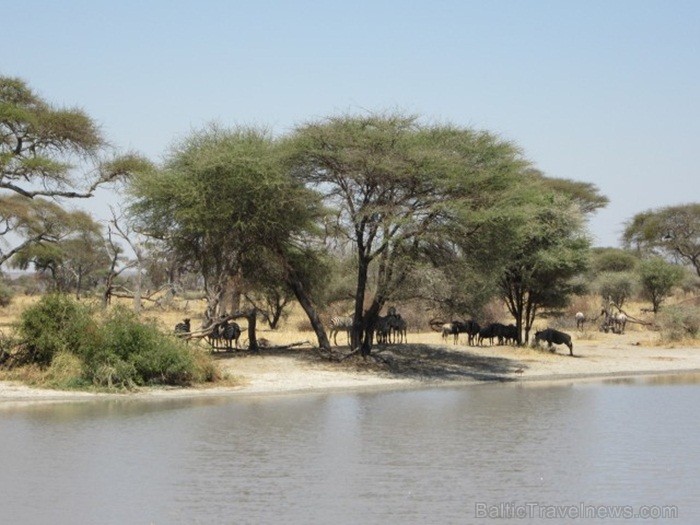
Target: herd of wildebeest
point(392, 328)
point(501, 333)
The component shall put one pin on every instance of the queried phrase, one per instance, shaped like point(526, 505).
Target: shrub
point(56, 323)
point(6, 294)
point(679, 322)
point(136, 353)
point(64, 338)
point(66, 371)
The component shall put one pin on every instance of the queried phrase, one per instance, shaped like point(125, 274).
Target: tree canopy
point(398, 190)
point(222, 202)
point(673, 231)
point(46, 152)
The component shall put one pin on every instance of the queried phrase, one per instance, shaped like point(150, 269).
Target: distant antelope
point(580, 320)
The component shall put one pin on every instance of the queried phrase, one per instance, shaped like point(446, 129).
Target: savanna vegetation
point(350, 214)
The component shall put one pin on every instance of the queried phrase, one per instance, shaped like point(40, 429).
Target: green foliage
point(118, 352)
point(56, 324)
point(616, 287)
point(138, 353)
point(658, 278)
point(222, 201)
point(39, 147)
point(672, 231)
point(613, 260)
point(551, 250)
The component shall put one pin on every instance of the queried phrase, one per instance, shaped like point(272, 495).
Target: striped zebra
point(183, 327)
point(340, 323)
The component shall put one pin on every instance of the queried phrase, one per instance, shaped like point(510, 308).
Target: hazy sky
point(606, 92)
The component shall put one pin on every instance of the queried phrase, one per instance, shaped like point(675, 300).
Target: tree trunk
point(252, 339)
point(359, 323)
point(305, 301)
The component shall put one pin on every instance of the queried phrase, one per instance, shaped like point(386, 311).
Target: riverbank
point(424, 363)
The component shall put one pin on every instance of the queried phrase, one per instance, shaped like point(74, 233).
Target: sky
point(606, 92)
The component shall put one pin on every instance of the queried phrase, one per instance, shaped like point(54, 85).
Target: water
point(425, 456)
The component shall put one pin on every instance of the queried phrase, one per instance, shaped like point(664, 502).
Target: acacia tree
point(672, 231)
point(222, 201)
point(75, 257)
point(397, 187)
point(551, 249)
point(657, 278)
point(46, 153)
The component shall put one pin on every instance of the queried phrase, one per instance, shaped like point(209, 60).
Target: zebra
point(340, 323)
point(383, 328)
point(183, 327)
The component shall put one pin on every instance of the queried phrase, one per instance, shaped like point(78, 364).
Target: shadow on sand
point(415, 361)
point(426, 362)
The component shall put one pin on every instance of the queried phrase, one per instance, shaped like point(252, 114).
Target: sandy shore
point(424, 363)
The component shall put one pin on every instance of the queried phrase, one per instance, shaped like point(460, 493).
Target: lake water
point(478, 454)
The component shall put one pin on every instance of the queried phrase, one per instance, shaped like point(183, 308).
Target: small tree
point(551, 250)
point(613, 260)
point(658, 278)
point(74, 259)
point(616, 287)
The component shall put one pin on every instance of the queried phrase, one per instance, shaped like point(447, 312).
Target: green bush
point(139, 353)
point(56, 323)
point(121, 351)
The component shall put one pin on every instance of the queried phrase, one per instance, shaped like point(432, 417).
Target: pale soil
point(427, 361)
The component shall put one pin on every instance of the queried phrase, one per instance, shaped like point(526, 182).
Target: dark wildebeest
point(471, 328)
point(489, 332)
point(509, 334)
point(554, 337)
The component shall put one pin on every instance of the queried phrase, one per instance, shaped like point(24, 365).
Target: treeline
point(370, 209)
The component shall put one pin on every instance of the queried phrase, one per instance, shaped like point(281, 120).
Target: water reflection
point(411, 456)
point(680, 378)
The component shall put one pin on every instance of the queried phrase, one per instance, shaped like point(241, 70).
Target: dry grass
point(296, 327)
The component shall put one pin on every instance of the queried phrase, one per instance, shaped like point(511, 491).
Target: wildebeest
point(509, 334)
point(554, 337)
point(580, 320)
point(230, 332)
point(446, 331)
point(470, 327)
point(489, 332)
